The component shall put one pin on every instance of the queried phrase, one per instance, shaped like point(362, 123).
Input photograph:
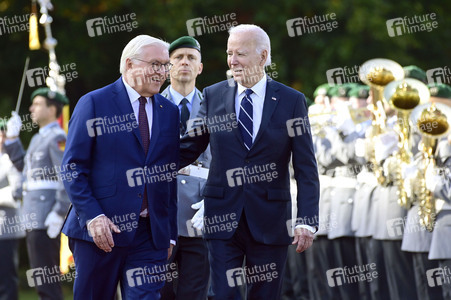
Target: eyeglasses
point(156, 66)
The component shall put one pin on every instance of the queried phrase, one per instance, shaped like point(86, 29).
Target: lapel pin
point(161, 106)
point(274, 98)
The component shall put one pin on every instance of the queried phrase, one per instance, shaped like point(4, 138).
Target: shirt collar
point(132, 94)
point(177, 97)
point(46, 128)
point(259, 88)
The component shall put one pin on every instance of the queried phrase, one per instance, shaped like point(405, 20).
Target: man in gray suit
point(190, 254)
point(10, 226)
point(44, 196)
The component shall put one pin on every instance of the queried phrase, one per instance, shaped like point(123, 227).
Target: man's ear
point(264, 57)
point(201, 67)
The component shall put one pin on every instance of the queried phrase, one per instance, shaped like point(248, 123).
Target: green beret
point(184, 42)
point(323, 89)
point(359, 91)
point(415, 73)
point(341, 90)
point(440, 90)
point(47, 93)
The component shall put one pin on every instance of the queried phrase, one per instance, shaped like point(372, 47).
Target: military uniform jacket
point(189, 188)
point(43, 190)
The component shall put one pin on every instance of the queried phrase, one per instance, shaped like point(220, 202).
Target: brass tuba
point(432, 122)
point(404, 95)
point(377, 73)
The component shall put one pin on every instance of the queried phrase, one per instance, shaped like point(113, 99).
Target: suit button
point(42, 197)
point(183, 181)
point(139, 195)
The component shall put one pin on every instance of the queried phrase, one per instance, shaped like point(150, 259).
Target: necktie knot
point(184, 101)
point(248, 92)
point(142, 100)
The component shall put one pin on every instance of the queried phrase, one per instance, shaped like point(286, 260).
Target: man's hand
point(100, 230)
point(13, 126)
point(170, 250)
point(54, 222)
point(303, 238)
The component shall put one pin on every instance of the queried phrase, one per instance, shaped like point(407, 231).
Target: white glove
point(432, 178)
point(198, 218)
point(385, 145)
point(54, 222)
point(344, 121)
point(13, 125)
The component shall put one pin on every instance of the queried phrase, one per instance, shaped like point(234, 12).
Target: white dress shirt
point(134, 96)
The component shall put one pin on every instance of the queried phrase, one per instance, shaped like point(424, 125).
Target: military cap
point(359, 91)
point(184, 42)
point(340, 90)
point(415, 73)
point(323, 89)
point(49, 94)
point(440, 90)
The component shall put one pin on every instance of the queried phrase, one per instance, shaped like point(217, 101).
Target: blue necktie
point(143, 126)
point(245, 120)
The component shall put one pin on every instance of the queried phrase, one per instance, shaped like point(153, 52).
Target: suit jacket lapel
point(122, 101)
point(269, 105)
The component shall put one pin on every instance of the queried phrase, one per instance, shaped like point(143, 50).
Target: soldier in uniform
point(439, 182)
point(44, 195)
point(11, 229)
point(190, 252)
point(416, 239)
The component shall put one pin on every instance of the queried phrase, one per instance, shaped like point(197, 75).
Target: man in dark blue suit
point(122, 150)
point(254, 125)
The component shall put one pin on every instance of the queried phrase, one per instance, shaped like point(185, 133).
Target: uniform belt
point(195, 171)
point(325, 181)
point(41, 185)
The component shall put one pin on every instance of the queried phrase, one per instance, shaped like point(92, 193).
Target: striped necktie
point(245, 120)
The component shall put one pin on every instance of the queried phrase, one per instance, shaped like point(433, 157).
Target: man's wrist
point(90, 221)
point(308, 227)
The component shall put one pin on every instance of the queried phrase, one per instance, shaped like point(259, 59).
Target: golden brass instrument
point(432, 121)
point(404, 95)
point(377, 73)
